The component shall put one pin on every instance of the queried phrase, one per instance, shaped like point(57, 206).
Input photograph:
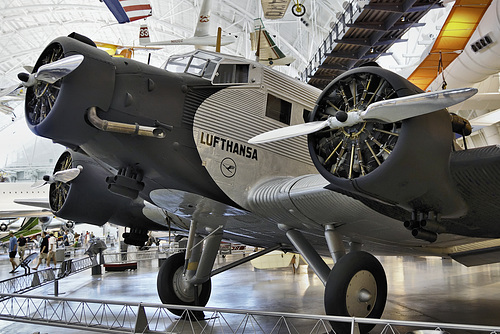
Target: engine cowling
point(44, 108)
point(403, 164)
point(86, 198)
point(119, 90)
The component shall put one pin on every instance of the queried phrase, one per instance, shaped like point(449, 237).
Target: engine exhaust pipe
point(130, 129)
point(424, 235)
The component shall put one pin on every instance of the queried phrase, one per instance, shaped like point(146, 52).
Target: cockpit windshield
point(199, 63)
point(210, 66)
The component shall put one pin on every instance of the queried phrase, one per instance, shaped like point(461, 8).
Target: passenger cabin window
point(278, 109)
point(231, 73)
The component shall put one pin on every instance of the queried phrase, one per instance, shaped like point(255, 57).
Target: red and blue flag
point(129, 10)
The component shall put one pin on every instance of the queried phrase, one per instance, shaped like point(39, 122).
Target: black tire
point(298, 10)
point(169, 271)
point(353, 272)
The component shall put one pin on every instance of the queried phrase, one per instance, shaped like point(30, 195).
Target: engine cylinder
point(404, 163)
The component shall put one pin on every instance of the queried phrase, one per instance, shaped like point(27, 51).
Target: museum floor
point(420, 289)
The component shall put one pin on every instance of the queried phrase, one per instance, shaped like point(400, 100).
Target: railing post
point(141, 322)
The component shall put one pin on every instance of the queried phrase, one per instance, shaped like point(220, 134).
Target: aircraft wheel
point(356, 287)
point(3, 227)
point(174, 289)
point(298, 10)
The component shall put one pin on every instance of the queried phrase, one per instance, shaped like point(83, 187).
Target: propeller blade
point(52, 72)
point(7, 90)
point(401, 108)
point(288, 132)
point(38, 184)
point(67, 175)
point(63, 176)
point(388, 111)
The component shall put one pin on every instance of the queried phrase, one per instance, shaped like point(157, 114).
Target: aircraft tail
point(203, 24)
point(144, 35)
point(266, 50)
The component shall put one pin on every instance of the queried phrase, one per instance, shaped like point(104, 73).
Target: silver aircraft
point(216, 146)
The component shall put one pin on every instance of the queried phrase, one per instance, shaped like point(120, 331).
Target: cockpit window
point(177, 64)
point(199, 64)
point(232, 73)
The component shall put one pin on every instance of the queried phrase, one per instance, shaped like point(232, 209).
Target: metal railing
point(352, 10)
point(35, 279)
point(125, 317)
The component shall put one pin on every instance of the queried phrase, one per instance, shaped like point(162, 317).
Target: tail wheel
point(173, 288)
point(298, 10)
point(355, 151)
point(356, 287)
point(59, 190)
point(40, 98)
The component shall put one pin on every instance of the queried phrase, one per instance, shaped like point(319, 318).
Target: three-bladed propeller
point(387, 111)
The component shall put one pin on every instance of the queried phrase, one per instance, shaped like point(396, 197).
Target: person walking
point(44, 250)
point(52, 250)
point(12, 251)
point(21, 247)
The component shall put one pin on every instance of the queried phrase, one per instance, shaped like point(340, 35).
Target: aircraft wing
point(25, 213)
point(379, 226)
point(20, 199)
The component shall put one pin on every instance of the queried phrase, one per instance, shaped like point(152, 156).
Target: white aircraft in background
point(201, 36)
point(25, 199)
point(15, 196)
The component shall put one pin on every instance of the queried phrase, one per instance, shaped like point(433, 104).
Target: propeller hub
point(23, 76)
point(341, 116)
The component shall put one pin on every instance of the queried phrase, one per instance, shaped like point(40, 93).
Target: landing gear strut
point(355, 287)
point(184, 278)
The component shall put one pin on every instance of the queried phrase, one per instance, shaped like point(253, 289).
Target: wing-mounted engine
point(405, 164)
point(87, 199)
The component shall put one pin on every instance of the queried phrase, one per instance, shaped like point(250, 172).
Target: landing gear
point(174, 287)
point(184, 278)
point(356, 287)
point(298, 9)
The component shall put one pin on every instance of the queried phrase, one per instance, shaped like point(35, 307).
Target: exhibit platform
point(420, 289)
